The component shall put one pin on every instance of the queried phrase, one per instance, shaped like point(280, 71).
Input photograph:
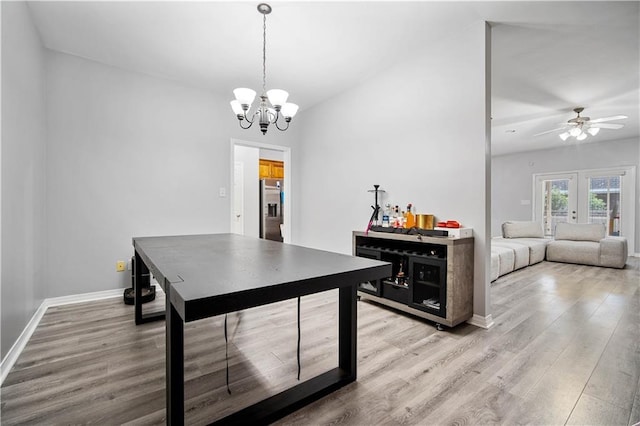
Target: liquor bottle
point(410, 218)
point(385, 216)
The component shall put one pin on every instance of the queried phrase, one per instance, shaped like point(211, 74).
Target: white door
point(556, 200)
point(604, 196)
point(238, 198)
point(608, 199)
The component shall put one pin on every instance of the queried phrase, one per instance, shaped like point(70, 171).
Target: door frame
point(628, 193)
point(286, 152)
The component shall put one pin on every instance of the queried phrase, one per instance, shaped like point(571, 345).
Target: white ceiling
point(547, 57)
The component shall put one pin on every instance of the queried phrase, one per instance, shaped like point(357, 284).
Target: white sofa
point(526, 242)
point(523, 244)
point(587, 244)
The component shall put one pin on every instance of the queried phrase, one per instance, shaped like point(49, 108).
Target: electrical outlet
point(120, 265)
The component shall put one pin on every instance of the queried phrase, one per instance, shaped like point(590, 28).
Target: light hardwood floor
point(564, 350)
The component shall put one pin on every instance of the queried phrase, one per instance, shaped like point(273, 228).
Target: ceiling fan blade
point(615, 117)
point(550, 131)
point(608, 126)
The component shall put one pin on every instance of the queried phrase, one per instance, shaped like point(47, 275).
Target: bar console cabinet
point(432, 277)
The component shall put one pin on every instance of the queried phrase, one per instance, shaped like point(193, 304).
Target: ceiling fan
point(579, 127)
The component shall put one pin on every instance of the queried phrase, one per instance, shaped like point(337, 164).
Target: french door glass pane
point(605, 202)
point(555, 203)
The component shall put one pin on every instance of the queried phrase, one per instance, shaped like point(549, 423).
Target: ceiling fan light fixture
point(583, 127)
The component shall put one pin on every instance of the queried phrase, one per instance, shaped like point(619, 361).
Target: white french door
point(556, 200)
point(604, 196)
point(606, 200)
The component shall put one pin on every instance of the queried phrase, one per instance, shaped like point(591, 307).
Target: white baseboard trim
point(12, 356)
point(636, 255)
point(482, 322)
point(85, 297)
point(21, 342)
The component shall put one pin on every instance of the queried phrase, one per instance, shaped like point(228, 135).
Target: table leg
point(137, 288)
point(347, 330)
point(174, 364)
point(286, 402)
point(141, 279)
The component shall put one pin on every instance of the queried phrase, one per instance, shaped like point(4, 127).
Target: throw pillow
point(580, 231)
point(515, 229)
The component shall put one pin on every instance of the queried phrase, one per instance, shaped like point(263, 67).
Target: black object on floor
point(148, 294)
point(148, 291)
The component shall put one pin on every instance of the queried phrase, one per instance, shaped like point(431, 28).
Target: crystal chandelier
point(267, 113)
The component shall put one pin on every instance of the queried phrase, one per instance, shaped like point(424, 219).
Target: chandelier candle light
point(277, 98)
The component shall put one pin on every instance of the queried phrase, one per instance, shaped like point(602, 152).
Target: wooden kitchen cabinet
point(271, 169)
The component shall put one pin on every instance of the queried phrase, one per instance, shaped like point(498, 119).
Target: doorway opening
point(247, 173)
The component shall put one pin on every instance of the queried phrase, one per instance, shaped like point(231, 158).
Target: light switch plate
point(222, 192)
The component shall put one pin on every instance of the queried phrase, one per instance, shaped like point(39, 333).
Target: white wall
point(23, 171)
point(129, 155)
point(132, 155)
point(402, 130)
point(512, 175)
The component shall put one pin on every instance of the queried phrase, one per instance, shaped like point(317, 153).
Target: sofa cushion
point(520, 252)
point(515, 229)
point(495, 266)
point(506, 259)
point(582, 252)
point(580, 231)
point(613, 252)
point(537, 247)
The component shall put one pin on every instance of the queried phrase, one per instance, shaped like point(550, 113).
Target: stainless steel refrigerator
point(271, 209)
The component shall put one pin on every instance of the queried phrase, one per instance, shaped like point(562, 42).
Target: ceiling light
point(266, 114)
point(583, 127)
point(575, 131)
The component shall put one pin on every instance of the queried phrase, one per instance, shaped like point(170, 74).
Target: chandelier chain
point(264, 53)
